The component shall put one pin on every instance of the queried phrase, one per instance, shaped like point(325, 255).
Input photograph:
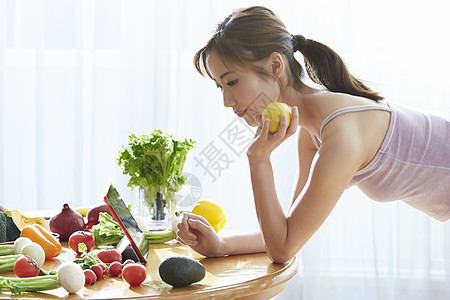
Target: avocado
point(181, 271)
point(8, 229)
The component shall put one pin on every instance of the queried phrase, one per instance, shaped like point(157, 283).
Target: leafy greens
point(107, 231)
point(155, 160)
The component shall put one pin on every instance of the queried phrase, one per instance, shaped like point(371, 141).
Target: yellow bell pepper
point(212, 212)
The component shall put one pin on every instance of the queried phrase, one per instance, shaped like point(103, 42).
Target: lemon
point(273, 112)
point(212, 212)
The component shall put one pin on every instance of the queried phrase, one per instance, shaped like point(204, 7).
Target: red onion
point(92, 215)
point(66, 222)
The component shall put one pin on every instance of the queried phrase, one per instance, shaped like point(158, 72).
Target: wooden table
point(251, 276)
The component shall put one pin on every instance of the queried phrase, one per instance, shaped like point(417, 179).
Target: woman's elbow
point(280, 258)
point(283, 252)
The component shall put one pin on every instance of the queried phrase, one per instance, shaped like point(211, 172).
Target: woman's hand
point(266, 142)
point(197, 233)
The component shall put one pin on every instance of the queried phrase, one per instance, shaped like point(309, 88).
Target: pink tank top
point(413, 162)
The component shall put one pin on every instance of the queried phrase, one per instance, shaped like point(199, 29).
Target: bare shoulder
point(326, 103)
point(361, 133)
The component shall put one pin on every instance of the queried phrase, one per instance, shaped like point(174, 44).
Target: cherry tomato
point(81, 236)
point(134, 274)
point(115, 269)
point(89, 277)
point(25, 266)
point(109, 255)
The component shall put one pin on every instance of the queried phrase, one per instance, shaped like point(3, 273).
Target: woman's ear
point(276, 64)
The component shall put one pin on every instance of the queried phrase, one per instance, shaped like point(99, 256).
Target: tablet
point(123, 216)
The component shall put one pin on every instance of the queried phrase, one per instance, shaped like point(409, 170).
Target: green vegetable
point(6, 250)
point(45, 273)
point(155, 160)
point(159, 236)
point(68, 275)
point(32, 284)
point(7, 262)
point(8, 229)
point(19, 285)
point(107, 231)
point(87, 260)
point(144, 246)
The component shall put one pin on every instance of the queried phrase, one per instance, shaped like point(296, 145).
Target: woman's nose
point(228, 100)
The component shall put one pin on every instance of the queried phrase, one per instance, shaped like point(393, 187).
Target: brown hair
point(251, 34)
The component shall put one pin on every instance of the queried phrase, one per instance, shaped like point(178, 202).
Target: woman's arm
point(285, 235)
point(306, 152)
point(195, 231)
point(244, 243)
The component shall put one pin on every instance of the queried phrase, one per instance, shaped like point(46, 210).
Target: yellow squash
point(22, 220)
point(212, 212)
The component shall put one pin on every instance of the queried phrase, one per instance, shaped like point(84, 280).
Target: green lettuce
point(107, 231)
point(155, 160)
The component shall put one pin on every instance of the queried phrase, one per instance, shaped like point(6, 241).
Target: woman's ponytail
point(250, 35)
point(325, 67)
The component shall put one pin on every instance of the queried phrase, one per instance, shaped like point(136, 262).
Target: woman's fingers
point(284, 131)
point(188, 237)
point(294, 121)
point(192, 216)
point(182, 224)
point(187, 216)
point(283, 126)
point(184, 231)
point(186, 242)
point(266, 141)
point(200, 226)
point(189, 226)
point(265, 129)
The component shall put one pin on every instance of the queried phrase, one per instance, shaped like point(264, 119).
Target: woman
point(348, 136)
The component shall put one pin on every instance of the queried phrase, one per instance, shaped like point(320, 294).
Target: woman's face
point(243, 90)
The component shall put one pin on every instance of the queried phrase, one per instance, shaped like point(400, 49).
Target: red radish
point(98, 270)
point(109, 255)
point(104, 269)
point(115, 269)
point(89, 277)
point(128, 261)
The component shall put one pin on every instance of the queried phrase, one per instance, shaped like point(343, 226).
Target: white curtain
point(77, 77)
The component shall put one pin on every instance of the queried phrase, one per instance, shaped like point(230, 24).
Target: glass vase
point(157, 207)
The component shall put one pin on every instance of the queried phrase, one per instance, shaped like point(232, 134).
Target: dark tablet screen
point(125, 219)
